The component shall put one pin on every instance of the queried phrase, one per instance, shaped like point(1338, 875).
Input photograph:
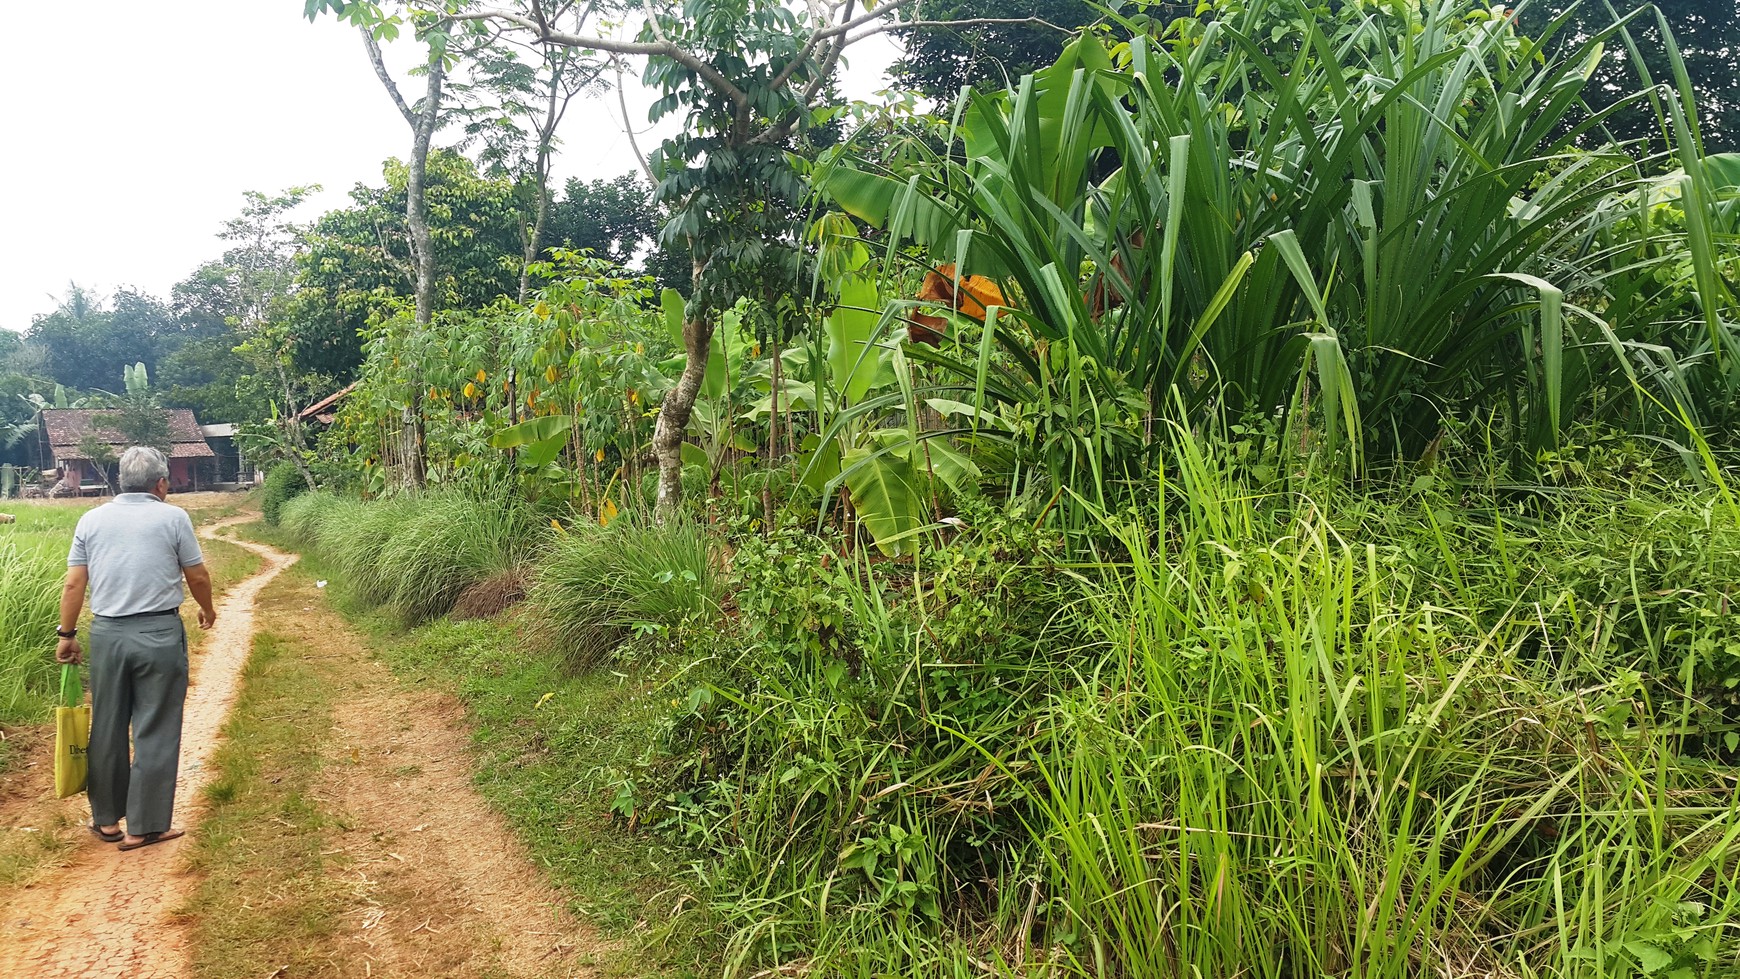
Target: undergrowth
point(1428, 728)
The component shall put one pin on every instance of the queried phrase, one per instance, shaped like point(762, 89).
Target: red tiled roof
point(67, 427)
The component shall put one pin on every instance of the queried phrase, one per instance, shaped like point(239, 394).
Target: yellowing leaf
point(481, 376)
point(470, 390)
point(542, 310)
point(556, 525)
point(633, 396)
point(599, 455)
point(543, 700)
point(606, 513)
point(550, 373)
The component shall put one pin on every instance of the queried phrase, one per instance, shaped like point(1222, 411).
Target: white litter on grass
point(320, 584)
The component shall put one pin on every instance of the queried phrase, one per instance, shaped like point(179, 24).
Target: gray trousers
point(138, 680)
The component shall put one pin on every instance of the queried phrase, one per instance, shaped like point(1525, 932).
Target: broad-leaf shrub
point(283, 483)
point(818, 749)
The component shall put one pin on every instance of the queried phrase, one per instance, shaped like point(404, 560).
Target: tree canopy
point(1707, 33)
point(939, 61)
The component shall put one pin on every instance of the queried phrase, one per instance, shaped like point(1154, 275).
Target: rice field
point(32, 565)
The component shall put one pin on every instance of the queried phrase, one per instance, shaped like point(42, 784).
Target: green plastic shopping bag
point(72, 735)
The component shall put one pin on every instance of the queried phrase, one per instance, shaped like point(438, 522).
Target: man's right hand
point(69, 651)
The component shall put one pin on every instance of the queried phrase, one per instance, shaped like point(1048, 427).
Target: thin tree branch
point(907, 25)
point(846, 26)
point(627, 127)
point(668, 49)
point(374, 49)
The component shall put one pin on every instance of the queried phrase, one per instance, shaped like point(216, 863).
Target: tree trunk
point(678, 406)
point(546, 137)
point(535, 240)
point(423, 122)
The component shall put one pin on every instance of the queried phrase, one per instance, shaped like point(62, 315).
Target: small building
point(231, 469)
point(65, 431)
point(325, 411)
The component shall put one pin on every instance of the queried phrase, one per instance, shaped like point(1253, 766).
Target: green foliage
point(1372, 222)
point(598, 586)
point(581, 367)
point(1710, 45)
point(984, 752)
point(355, 266)
point(283, 483)
point(614, 220)
point(937, 62)
point(33, 554)
point(141, 420)
point(89, 340)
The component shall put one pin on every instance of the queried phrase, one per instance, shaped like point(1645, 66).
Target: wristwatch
point(67, 635)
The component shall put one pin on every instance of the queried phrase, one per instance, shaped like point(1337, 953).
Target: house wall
point(181, 475)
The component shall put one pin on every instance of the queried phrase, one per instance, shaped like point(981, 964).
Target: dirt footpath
point(434, 882)
point(107, 913)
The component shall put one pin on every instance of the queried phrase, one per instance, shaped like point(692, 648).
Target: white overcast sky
point(131, 131)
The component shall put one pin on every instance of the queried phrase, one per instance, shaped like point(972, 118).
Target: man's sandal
point(150, 838)
point(98, 832)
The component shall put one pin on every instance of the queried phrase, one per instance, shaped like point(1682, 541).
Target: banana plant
point(895, 476)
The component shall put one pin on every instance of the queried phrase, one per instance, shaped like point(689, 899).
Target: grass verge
point(266, 770)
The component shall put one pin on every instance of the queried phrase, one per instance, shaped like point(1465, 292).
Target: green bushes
point(599, 585)
point(1288, 750)
point(1271, 733)
point(1274, 729)
point(283, 484)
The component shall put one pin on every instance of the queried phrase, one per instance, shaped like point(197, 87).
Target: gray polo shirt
point(135, 546)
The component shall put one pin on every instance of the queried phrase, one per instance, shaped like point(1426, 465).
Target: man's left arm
point(199, 583)
point(72, 601)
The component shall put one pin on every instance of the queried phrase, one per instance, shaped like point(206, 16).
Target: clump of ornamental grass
point(353, 536)
point(301, 517)
point(599, 585)
point(448, 541)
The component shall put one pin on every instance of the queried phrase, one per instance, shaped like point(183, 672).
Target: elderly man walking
point(133, 553)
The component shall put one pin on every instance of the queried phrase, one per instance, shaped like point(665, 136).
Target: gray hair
point(141, 468)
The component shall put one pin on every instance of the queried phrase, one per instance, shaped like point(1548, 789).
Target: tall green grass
point(32, 567)
point(415, 554)
point(1434, 730)
point(1286, 758)
point(1278, 729)
point(598, 585)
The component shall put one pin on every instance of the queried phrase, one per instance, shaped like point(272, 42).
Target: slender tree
point(748, 76)
point(522, 108)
